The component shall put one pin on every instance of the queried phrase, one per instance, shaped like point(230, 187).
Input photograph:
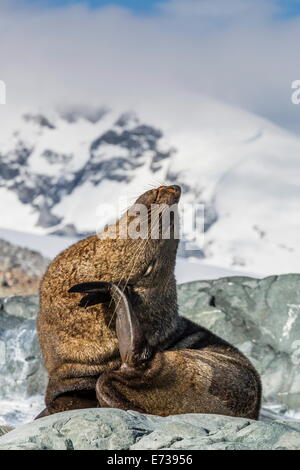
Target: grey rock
point(262, 318)
point(114, 429)
point(21, 270)
point(21, 372)
point(21, 307)
point(15, 257)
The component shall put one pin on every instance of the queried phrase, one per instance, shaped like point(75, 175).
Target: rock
point(21, 269)
point(22, 375)
point(21, 307)
point(262, 318)
point(114, 429)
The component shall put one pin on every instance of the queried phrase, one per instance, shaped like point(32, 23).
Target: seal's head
point(144, 241)
point(138, 253)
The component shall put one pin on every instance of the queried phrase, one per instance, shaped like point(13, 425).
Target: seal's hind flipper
point(94, 299)
point(91, 287)
point(97, 293)
point(133, 346)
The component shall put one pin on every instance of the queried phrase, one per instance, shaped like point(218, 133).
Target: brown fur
point(190, 370)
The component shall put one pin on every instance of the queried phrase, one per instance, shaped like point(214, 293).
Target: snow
point(239, 163)
point(293, 313)
point(51, 245)
point(258, 207)
point(188, 271)
point(86, 200)
point(48, 245)
point(248, 167)
point(14, 214)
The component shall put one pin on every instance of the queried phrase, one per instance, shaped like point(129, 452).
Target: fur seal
point(123, 344)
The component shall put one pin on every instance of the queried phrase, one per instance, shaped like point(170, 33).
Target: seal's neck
point(157, 311)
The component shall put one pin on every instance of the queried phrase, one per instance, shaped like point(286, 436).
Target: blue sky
point(289, 8)
point(138, 6)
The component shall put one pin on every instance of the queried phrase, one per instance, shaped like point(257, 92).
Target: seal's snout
point(169, 194)
point(161, 195)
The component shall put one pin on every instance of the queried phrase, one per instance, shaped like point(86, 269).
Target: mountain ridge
point(56, 165)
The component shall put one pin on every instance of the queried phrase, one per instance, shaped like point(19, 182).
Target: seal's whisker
point(122, 278)
point(136, 257)
point(138, 251)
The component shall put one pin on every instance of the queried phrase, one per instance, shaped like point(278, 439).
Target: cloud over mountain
point(239, 51)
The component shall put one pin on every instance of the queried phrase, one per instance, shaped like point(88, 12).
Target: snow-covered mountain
point(58, 168)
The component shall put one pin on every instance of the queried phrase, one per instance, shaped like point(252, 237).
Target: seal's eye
point(149, 269)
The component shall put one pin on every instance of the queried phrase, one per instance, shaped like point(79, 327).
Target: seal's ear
point(97, 293)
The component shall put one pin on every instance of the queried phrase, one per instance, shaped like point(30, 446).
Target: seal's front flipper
point(133, 346)
point(97, 293)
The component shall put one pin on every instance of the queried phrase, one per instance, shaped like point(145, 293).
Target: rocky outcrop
point(22, 376)
point(261, 317)
point(21, 270)
point(99, 429)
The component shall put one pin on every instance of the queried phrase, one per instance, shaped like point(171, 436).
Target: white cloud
point(234, 50)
